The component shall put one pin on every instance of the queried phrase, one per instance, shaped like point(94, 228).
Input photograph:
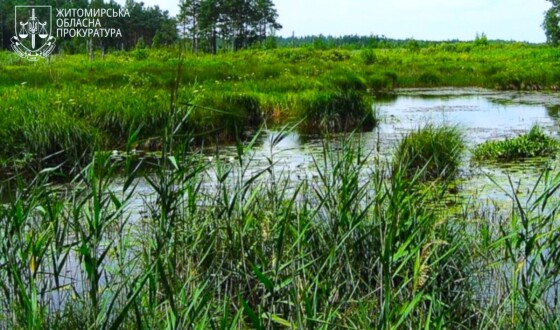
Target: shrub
point(432, 152)
point(481, 40)
point(533, 144)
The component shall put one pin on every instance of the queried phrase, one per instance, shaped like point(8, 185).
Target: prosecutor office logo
point(33, 28)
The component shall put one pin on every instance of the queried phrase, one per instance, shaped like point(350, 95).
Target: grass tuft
point(335, 111)
point(433, 152)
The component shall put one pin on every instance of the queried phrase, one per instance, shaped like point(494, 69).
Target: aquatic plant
point(434, 152)
point(220, 244)
point(199, 244)
point(335, 111)
point(535, 143)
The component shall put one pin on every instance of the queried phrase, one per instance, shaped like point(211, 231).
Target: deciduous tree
point(551, 24)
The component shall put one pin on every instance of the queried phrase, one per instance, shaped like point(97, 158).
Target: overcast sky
point(421, 19)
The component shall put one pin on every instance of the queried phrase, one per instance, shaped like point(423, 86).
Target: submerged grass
point(535, 143)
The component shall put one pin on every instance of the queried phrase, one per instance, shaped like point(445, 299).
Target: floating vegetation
point(535, 143)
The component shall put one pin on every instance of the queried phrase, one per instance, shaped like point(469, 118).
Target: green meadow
point(71, 105)
point(360, 244)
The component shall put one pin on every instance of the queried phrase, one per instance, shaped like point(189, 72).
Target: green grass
point(236, 92)
point(535, 143)
point(335, 111)
point(256, 250)
point(434, 152)
point(219, 246)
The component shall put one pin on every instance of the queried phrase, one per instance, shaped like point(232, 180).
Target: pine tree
point(236, 24)
point(189, 16)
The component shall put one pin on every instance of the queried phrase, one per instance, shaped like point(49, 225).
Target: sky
point(420, 19)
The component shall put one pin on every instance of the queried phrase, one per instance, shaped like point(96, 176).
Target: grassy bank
point(260, 251)
point(102, 102)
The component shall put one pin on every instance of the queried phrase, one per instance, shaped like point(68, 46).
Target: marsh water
point(481, 114)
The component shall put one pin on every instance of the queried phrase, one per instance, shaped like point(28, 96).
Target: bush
point(432, 152)
point(140, 54)
point(533, 144)
point(481, 40)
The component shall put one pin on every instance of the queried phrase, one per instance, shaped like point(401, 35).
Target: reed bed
point(217, 245)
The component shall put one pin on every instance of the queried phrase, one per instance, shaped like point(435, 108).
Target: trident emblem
point(32, 27)
point(33, 38)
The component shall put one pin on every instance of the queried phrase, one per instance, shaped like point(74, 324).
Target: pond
point(481, 114)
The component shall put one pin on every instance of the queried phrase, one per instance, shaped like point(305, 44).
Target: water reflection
point(481, 115)
point(478, 114)
point(480, 118)
point(553, 111)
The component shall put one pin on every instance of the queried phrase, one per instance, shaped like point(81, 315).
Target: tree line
point(209, 26)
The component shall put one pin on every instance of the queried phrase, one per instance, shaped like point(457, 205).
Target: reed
point(198, 244)
point(220, 245)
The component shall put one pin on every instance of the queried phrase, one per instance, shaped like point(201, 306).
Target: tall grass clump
point(433, 152)
point(225, 115)
point(335, 111)
point(535, 143)
point(344, 79)
point(117, 113)
point(48, 136)
point(368, 56)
